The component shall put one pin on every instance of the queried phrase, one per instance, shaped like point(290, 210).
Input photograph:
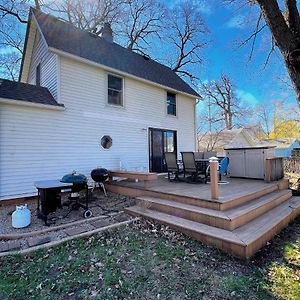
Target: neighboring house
point(284, 147)
point(83, 101)
point(218, 141)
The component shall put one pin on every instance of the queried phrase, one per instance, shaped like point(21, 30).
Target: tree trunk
point(295, 78)
point(285, 33)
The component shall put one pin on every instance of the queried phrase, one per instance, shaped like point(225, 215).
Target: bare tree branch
point(186, 31)
point(221, 94)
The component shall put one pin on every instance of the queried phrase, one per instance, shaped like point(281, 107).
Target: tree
point(13, 13)
point(185, 35)
point(283, 20)
point(142, 21)
point(278, 120)
point(87, 15)
point(221, 95)
point(264, 116)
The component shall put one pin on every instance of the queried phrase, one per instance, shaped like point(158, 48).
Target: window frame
point(38, 74)
point(122, 94)
point(103, 136)
point(174, 105)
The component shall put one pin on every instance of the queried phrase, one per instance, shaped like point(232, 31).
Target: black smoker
point(100, 175)
point(79, 182)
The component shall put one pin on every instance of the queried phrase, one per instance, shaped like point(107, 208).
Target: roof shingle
point(14, 90)
point(65, 37)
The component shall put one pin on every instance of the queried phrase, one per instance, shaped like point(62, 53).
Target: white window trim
point(176, 105)
point(123, 91)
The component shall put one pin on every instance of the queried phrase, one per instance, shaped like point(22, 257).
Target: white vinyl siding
point(37, 144)
point(48, 66)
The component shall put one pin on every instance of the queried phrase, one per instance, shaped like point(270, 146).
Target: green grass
point(142, 262)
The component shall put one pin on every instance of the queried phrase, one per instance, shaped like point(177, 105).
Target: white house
point(83, 101)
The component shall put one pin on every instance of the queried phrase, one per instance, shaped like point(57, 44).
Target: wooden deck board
point(254, 229)
point(236, 188)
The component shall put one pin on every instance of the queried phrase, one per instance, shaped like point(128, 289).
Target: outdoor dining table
point(202, 163)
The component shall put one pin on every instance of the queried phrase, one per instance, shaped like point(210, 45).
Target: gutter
point(31, 104)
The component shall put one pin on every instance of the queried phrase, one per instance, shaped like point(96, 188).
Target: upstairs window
point(171, 104)
point(115, 90)
point(38, 75)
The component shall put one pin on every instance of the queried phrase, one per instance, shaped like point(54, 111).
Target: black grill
point(79, 181)
point(99, 175)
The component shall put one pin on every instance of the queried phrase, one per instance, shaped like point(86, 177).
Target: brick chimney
point(107, 33)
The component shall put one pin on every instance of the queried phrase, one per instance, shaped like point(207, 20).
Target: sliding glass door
point(160, 142)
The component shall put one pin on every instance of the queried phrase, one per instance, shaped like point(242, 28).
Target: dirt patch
point(99, 204)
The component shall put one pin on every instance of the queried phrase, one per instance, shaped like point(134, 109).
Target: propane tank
point(21, 217)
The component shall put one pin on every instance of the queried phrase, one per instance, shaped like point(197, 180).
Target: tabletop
point(48, 184)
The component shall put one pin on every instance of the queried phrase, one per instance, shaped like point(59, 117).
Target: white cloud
point(247, 97)
point(236, 22)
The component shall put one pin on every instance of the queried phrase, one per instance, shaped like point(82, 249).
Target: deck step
point(256, 233)
point(221, 204)
point(243, 241)
point(229, 219)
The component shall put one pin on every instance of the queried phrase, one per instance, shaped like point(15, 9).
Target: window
point(106, 142)
point(115, 90)
point(171, 104)
point(38, 75)
point(169, 141)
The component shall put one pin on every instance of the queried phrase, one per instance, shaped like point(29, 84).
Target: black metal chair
point(190, 167)
point(172, 166)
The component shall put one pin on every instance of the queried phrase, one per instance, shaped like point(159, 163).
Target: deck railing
point(274, 169)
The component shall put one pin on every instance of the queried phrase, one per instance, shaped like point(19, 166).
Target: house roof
point(13, 90)
point(279, 143)
point(67, 38)
point(226, 138)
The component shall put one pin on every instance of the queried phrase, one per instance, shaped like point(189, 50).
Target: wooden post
point(268, 170)
point(214, 178)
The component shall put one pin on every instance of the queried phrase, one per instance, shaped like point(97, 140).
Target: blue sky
point(228, 26)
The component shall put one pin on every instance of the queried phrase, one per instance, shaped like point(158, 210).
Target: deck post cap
point(213, 159)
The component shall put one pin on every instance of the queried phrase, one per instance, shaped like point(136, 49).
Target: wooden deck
point(247, 214)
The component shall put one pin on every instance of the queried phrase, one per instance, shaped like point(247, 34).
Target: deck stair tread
point(262, 224)
point(258, 202)
point(180, 205)
point(186, 224)
point(245, 235)
point(227, 214)
point(252, 194)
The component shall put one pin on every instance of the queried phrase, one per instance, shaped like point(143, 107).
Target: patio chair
point(223, 168)
point(172, 166)
point(190, 166)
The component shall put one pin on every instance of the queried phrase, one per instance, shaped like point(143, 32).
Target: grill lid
point(99, 175)
point(74, 178)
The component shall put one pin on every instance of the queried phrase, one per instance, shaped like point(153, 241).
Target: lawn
point(144, 261)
